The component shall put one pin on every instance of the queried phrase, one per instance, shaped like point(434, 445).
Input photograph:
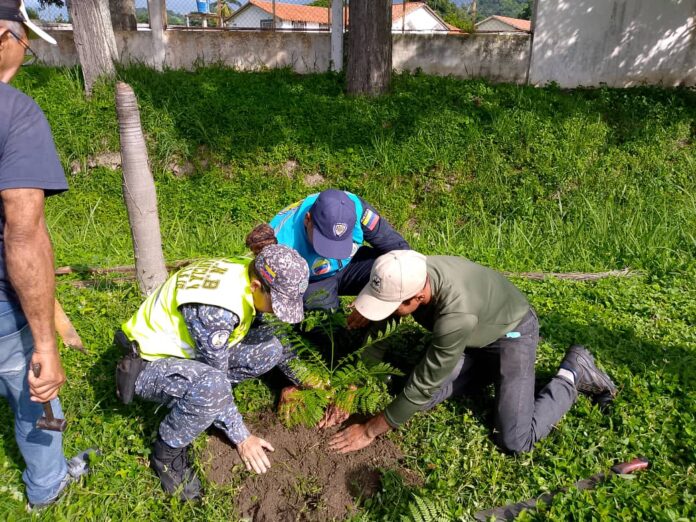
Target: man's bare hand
point(252, 453)
point(359, 436)
point(332, 417)
point(356, 320)
point(45, 387)
point(287, 402)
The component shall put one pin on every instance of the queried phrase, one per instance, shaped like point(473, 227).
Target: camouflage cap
point(287, 274)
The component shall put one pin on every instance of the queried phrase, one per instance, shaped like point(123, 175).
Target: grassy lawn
point(516, 178)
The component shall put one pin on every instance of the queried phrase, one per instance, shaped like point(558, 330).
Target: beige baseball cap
point(16, 11)
point(395, 277)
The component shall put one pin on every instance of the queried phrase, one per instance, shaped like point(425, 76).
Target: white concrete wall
point(304, 52)
point(496, 57)
point(499, 58)
point(615, 42)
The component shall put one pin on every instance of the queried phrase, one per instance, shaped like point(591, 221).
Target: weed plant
point(516, 178)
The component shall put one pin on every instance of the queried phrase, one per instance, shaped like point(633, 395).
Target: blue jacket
point(369, 227)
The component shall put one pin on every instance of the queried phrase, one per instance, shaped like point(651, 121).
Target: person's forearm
point(377, 425)
point(29, 260)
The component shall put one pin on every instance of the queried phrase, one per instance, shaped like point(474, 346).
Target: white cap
point(33, 27)
point(395, 277)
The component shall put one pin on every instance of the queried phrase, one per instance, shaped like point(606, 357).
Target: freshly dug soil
point(306, 482)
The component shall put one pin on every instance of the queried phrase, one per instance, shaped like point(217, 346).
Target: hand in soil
point(356, 320)
point(252, 453)
point(359, 436)
point(288, 403)
point(333, 416)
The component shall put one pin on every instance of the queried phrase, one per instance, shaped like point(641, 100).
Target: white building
point(258, 14)
point(503, 24)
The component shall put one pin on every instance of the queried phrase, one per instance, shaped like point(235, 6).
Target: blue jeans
point(42, 450)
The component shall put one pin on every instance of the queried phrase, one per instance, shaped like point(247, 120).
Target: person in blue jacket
point(329, 230)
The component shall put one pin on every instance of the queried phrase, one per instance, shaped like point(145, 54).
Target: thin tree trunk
point(123, 15)
point(94, 39)
point(369, 47)
point(139, 193)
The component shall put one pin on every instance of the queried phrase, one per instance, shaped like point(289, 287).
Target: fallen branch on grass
point(126, 269)
point(574, 276)
point(535, 276)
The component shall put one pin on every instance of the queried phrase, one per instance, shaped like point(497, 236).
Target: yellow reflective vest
point(158, 326)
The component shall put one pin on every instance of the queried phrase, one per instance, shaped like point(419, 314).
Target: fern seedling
point(350, 383)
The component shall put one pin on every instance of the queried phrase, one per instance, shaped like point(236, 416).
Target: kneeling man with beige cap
point(480, 321)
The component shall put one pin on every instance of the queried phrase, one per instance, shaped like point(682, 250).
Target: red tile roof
point(320, 15)
point(295, 12)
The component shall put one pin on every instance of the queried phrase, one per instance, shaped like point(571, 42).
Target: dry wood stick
point(66, 330)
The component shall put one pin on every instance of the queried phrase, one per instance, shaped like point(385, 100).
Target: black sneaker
point(174, 470)
point(589, 379)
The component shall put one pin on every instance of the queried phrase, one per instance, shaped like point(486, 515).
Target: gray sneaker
point(77, 467)
point(589, 379)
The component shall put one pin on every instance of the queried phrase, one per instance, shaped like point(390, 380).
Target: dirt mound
point(307, 482)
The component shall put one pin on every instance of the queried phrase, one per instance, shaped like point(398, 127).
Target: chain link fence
point(267, 15)
point(54, 13)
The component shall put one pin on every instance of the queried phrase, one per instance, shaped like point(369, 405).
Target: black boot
point(589, 379)
point(174, 469)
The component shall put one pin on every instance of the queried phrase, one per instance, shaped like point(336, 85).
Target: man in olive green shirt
point(475, 313)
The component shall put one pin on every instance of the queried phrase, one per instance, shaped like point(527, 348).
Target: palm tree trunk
point(139, 193)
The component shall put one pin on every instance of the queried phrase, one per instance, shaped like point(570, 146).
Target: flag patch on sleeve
point(369, 219)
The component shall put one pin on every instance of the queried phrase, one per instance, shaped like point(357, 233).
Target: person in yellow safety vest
point(196, 337)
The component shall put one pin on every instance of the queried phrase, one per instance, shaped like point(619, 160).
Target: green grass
point(512, 177)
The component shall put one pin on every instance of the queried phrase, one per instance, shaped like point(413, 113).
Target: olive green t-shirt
point(471, 305)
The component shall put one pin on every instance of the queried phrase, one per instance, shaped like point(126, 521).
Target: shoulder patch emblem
point(289, 208)
point(321, 266)
point(219, 338)
point(369, 219)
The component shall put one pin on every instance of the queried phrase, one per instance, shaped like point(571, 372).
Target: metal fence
point(55, 12)
point(267, 15)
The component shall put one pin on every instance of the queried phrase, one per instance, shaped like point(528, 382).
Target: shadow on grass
point(109, 405)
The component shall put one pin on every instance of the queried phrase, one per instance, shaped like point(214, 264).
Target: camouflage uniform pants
point(200, 395)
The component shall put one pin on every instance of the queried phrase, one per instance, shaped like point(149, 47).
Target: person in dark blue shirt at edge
point(30, 171)
point(329, 230)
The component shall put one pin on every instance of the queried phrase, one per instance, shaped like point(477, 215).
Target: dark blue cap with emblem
point(333, 216)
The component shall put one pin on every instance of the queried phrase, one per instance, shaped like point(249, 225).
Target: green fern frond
point(383, 369)
point(304, 407)
point(423, 509)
